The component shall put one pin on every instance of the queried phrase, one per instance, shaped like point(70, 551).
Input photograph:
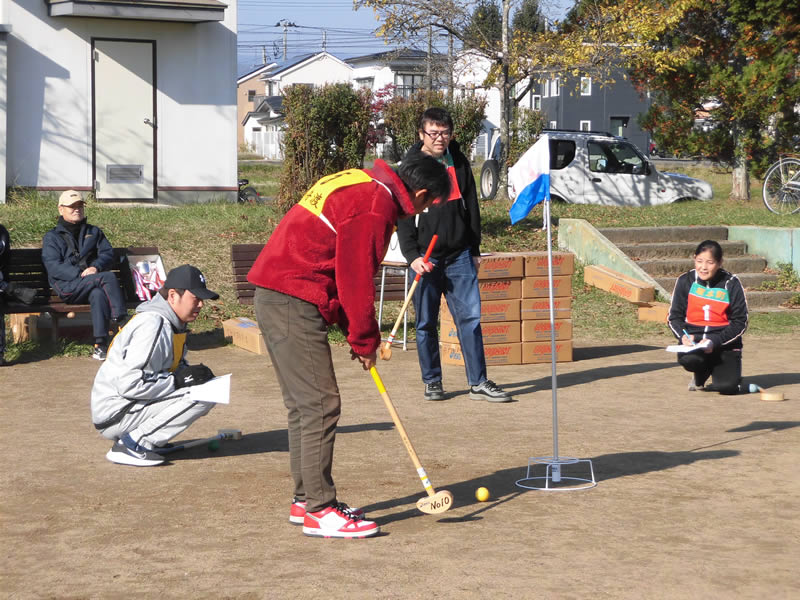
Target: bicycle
point(247, 193)
point(781, 189)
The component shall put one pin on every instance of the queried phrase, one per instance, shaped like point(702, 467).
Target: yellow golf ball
point(482, 494)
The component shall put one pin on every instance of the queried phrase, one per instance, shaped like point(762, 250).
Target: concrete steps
point(666, 252)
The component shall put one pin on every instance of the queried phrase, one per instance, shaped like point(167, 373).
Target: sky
point(347, 33)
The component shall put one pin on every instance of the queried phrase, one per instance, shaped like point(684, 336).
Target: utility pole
point(264, 54)
point(324, 40)
point(286, 24)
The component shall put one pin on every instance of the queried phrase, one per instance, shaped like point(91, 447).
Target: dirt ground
point(698, 495)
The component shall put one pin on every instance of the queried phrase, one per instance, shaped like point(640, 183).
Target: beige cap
point(69, 198)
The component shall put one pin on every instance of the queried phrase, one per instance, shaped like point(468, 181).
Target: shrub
point(401, 119)
point(326, 132)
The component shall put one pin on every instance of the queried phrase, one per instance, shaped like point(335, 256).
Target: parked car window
point(562, 152)
point(614, 157)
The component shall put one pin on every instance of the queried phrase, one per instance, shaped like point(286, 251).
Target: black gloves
point(20, 292)
point(187, 375)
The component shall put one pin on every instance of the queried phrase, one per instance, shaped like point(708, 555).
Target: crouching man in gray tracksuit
point(141, 397)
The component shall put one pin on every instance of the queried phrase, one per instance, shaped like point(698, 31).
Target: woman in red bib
point(709, 308)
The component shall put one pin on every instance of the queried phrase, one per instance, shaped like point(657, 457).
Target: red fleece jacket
point(305, 259)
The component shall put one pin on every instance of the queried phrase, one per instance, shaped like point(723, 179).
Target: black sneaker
point(99, 353)
point(434, 391)
point(127, 452)
point(489, 391)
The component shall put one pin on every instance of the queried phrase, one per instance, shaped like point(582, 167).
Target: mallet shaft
point(410, 294)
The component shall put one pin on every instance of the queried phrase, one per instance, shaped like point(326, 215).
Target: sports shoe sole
point(474, 396)
point(315, 532)
point(123, 458)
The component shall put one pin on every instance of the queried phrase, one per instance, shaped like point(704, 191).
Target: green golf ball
point(213, 445)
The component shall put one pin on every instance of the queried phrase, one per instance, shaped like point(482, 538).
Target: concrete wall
point(50, 112)
point(4, 30)
point(776, 244)
point(593, 248)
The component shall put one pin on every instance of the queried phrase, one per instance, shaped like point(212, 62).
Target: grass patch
point(202, 234)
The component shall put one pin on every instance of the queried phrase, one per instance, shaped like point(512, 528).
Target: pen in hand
point(690, 338)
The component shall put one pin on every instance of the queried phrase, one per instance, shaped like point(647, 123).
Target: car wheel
point(490, 174)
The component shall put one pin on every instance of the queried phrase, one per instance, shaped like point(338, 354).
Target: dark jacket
point(64, 267)
point(458, 222)
point(726, 337)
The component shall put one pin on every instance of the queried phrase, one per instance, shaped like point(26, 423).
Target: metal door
point(123, 85)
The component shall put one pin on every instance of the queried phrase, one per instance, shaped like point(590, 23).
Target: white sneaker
point(693, 387)
point(123, 454)
point(331, 522)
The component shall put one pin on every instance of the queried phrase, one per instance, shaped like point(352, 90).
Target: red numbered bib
point(707, 306)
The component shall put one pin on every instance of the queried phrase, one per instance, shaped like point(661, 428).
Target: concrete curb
point(593, 248)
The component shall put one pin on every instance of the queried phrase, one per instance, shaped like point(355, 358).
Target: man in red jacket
point(316, 270)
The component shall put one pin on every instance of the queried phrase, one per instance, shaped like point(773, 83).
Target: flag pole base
point(553, 479)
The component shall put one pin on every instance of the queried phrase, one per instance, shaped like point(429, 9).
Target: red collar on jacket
point(387, 176)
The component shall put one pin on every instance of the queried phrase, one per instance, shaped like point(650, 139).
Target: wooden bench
point(391, 283)
point(25, 267)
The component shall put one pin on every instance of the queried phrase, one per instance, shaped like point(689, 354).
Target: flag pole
point(556, 466)
point(551, 464)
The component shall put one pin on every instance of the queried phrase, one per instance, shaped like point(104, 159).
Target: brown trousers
point(296, 336)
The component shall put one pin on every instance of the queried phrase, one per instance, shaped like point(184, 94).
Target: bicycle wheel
point(249, 195)
point(781, 189)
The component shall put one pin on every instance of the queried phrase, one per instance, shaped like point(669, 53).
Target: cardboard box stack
point(515, 310)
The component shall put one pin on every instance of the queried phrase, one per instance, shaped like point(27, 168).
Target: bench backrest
point(25, 266)
point(244, 255)
point(242, 258)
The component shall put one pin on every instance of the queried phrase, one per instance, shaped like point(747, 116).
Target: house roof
point(266, 107)
point(389, 55)
point(396, 60)
point(185, 11)
point(298, 61)
point(255, 72)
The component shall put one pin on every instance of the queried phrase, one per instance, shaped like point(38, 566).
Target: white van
point(599, 168)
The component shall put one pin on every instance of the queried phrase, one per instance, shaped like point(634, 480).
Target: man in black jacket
point(78, 257)
point(9, 289)
point(453, 269)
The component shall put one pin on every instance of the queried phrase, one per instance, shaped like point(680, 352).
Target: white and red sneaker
point(297, 513)
point(332, 522)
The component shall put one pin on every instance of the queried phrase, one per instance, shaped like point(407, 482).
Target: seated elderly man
point(141, 397)
point(78, 257)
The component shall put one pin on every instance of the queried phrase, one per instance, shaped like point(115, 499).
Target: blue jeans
point(458, 281)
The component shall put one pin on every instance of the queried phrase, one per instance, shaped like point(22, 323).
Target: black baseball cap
point(187, 277)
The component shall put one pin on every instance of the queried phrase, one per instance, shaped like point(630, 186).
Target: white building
point(127, 99)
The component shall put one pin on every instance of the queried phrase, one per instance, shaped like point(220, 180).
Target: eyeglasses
point(445, 135)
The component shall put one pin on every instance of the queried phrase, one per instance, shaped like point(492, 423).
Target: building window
point(536, 102)
point(406, 84)
point(553, 124)
point(365, 83)
point(586, 86)
point(554, 85)
point(272, 88)
point(255, 129)
point(586, 126)
point(545, 89)
point(250, 95)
